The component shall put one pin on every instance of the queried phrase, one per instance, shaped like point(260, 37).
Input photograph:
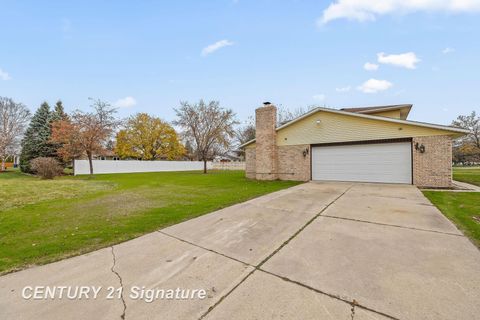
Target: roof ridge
point(368, 116)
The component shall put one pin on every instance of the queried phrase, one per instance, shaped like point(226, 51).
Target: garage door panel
point(385, 162)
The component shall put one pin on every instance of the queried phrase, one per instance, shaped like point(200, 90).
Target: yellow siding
point(341, 128)
point(389, 114)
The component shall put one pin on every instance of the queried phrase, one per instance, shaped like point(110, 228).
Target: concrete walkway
point(315, 251)
point(466, 186)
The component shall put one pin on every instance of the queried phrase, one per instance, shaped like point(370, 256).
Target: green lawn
point(462, 208)
point(43, 221)
point(470, 175)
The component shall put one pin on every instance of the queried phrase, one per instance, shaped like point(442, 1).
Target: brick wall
point(266, 143)
point(250, 163)
point(433, 168)
point(292, 165)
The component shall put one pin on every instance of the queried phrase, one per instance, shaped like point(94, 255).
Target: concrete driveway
point(315, 251)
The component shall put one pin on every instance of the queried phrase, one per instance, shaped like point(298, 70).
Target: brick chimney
point(266, 142)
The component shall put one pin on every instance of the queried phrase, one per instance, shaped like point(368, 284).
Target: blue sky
point(146, 56)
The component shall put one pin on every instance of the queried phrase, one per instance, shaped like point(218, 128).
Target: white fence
point(130, 166)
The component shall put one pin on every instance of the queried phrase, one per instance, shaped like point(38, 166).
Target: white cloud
point(217, 45)
point(369, 10)
point(343, 89)
point(407, 60)
point(4, 75)
point(374, 86)
point(448, 50)
point(370, 66)
point(319, 97)
point(126, 102)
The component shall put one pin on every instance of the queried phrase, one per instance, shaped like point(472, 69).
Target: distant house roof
point(106, 153)
point(227, 156)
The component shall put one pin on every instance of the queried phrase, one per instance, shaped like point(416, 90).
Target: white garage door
point(379, 162)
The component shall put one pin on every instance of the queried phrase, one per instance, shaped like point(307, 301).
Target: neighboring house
point(227, 158)
point(12, 161)
point(375, 144)
point(106, 155)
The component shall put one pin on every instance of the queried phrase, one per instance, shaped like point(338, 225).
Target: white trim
point(367, 116)
point(382, 109)
point(246, 143)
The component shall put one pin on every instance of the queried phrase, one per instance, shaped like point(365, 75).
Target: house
point(106, 155)
point(227, 157)
point(12, 161)
point(374, 144)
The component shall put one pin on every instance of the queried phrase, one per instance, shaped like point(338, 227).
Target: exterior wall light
point(420, 147)
point(318, 122)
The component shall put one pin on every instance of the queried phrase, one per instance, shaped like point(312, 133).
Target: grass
point(17, 190)
point(462, 208)
point(469, 175)
point(43, 221)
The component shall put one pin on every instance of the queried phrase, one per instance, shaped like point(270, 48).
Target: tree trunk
point(204, 166)
point(90, 162)
point(3, 164)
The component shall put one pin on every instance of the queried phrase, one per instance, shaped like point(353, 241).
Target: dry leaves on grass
point(18, 193)
point(123, 203)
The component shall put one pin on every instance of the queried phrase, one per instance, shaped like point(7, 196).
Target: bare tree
point(209, 128)
point(85, 132)
point(466, 149)
point(245, 133)
point(14, 118)
point(471, 123)
point(285, 115)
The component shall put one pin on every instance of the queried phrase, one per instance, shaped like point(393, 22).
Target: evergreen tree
point(36, 142)
point(59, 112)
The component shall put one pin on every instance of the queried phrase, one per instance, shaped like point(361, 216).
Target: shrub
point(46, 168)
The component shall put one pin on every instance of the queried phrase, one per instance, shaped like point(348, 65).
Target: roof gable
point(371, 126)
point(403, 110)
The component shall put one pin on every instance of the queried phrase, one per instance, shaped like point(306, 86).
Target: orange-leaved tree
point(85, 133)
